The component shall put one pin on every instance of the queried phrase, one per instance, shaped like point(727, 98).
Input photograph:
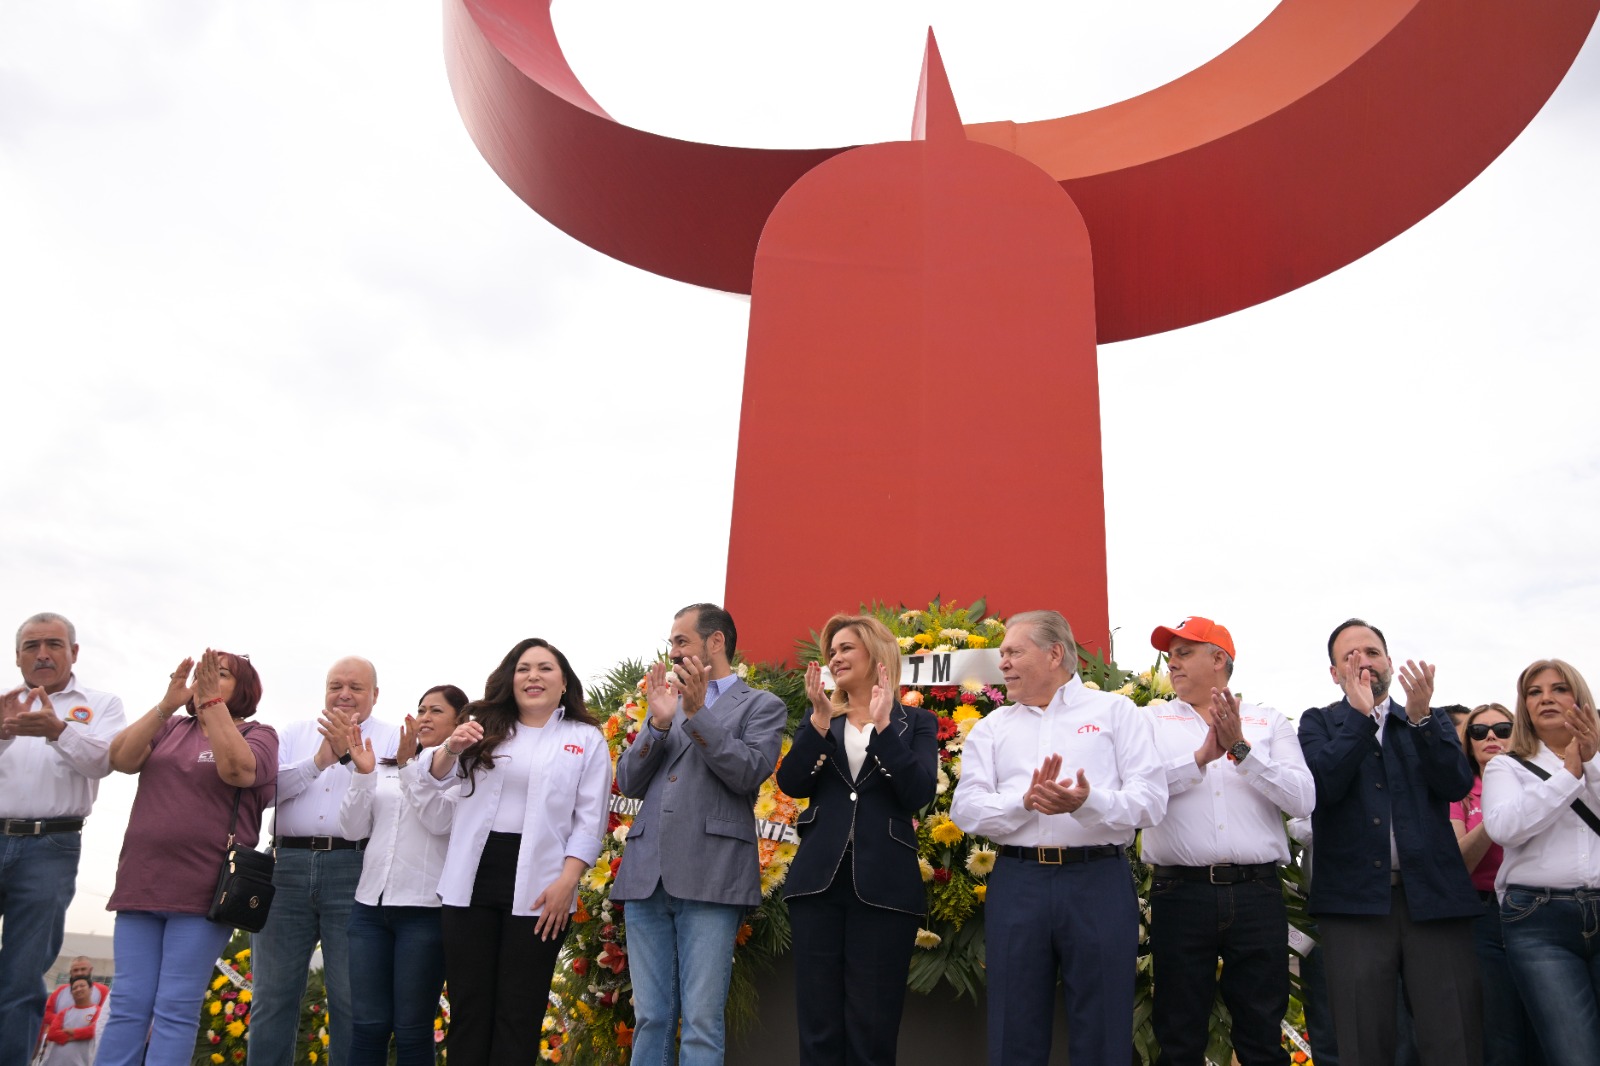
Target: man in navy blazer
point(1389, 888)
point(690, 868)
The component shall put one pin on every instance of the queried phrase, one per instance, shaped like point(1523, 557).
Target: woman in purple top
point(1508, 1037)
point(189, 768)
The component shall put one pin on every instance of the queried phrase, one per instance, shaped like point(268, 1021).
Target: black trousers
point(850, 963)
point(496, 968)
point(1365, 956)
point(1192, 925)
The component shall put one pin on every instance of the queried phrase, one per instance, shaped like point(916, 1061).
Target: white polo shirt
point(1107, 736)
point(59, 779)
point(309, 799)
point(1226, 812)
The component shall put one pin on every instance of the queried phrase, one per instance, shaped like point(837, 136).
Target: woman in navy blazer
point(868, 764)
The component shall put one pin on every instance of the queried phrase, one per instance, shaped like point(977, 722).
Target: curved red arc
point(1329, 129)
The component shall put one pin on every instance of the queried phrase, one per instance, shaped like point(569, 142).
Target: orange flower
point(624, 1035)
point(743, 934)
point(582, 914)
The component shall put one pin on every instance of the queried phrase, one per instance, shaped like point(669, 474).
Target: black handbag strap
point(1578, 806)
point(238, 793)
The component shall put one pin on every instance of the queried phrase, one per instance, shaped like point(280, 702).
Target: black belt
point(1224, 873)
point(27, 827)
point(320, 843)
point(1057, 856)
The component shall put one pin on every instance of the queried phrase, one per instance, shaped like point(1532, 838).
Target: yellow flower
point(975, 641)
point(1125, 690)
point(216, 1006)
point(946, 832)
point(322, 1034)
point(911, 615)
point(219, 981)
point(599, 875)
point(765, 805)
point(926, 867)
point(785, 852)
point(246, 996)
point(965, 712)
point(927, 939)
point(236, 1028)
point(980, 892)
point(311, 1056)
point(905, 643)
point(980, 862)
point(773, 876)
point(244, 953)
point(924, 639)
point(216, 1057)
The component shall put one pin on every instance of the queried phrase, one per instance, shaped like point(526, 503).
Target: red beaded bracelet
point(212, 702)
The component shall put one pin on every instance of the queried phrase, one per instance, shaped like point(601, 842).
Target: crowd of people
point(1455, 883)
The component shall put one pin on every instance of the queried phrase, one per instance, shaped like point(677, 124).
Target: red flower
point(580, 966)
point(969, 697)
point(947, 728)
point(613, 958)
point(616, 862)
point(214, 1037)
point(945, 692)
point(942, 876)
point(613, 821)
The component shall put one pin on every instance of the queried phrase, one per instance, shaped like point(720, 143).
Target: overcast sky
point(291, 373)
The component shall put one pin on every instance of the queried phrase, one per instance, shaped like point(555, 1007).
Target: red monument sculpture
point(972, 269)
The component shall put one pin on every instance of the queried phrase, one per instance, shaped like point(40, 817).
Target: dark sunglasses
point(1481, 730)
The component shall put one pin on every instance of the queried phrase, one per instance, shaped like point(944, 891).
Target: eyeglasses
point(1481, 730)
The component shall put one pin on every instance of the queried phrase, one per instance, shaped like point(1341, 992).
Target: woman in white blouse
point(396, 946)
point(1549, 879)
point(534, 778)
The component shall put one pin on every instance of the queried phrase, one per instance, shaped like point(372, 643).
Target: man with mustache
point(690, 869)
point(1389, 890)
point(55, 738)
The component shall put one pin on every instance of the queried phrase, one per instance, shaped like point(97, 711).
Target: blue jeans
point(1553, 945)
point(37, 879)
point(1508, 1036)
point(680, 954)
point(164, 963)
point(397, 968)
point(315, 891)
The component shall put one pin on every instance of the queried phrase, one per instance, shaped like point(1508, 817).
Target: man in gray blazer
point(689, 870)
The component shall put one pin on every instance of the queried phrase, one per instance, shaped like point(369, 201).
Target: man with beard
point(1389, 891)
point(690, 869)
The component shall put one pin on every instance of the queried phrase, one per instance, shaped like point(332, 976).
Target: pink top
point(1470, 811)
point(179, 824)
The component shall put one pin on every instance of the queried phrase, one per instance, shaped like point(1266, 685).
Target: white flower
point(911, 615)
point(943, 647)
point(1091, 684)
point(944, 783)
point(953, 634)
point(927, 939)
point(743, 670)
point(972, 685)
point(620, 832)
point(1156, 703)
point(980, 862)
point(906, 643)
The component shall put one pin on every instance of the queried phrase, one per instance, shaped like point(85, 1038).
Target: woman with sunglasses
point(1539, 800)
point(1486, 732)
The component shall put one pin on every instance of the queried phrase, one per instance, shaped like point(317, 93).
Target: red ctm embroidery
point(575, 749)
point(1090, 728)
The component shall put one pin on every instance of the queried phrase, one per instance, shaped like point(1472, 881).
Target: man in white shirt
point(1233, 769)
point(318, 868)
point(54, 739)
point(1060, 779)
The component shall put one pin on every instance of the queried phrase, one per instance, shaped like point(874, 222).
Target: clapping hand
point(178, 690)
point(1357, 684)
point(408, 741)
point(821, 707)
point(362, 757)
point(1226, 726)
point(334, 725)
point(1416, 680)
point(661, 697)
point(689, 678)
point(1582, 747)
point(18, 721)
point(882, 700)
point(1048, 796)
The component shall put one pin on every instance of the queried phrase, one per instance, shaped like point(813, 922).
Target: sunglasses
point(1481, 730)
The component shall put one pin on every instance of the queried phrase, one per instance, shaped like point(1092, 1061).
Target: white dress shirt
point(407, 825)
point(41, 779)
point(568, 800)
point(1226, 812)
point(1107, 736)
point(1546, 844)
point(309, 799)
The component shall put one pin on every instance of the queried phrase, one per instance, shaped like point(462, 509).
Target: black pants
point(1366, 955)
point(850, 963)
point(1192, 925)
point(497, 969)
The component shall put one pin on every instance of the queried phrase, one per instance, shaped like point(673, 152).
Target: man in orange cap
point(1233, 769)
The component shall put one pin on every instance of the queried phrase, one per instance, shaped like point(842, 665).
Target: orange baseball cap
point(1200, 630)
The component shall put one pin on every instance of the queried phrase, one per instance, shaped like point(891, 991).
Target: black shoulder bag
point(244, 885)
point(1578, 806)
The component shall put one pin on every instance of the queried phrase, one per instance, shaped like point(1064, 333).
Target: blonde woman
point(1539, 801)
point(868, 764)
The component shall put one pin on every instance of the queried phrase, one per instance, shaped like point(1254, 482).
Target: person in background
point(54, 735)
point(533, 775)
point(192, 768)
point(70, 1038)
point(396, 944)
point(61, 998)
point(317, 871)
point(1233, 770)
point(1509, 1040)
point(868, 764)
point(1541, 804)
point(1060, 779)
